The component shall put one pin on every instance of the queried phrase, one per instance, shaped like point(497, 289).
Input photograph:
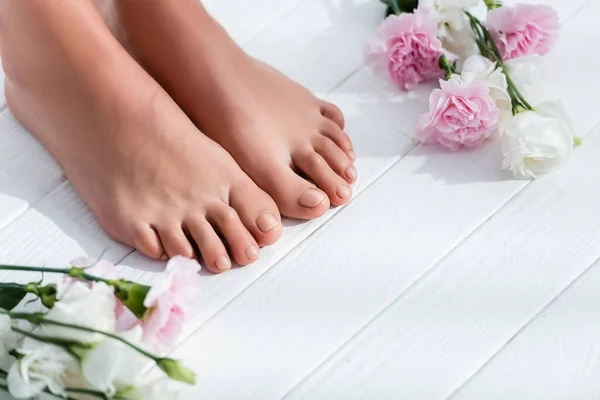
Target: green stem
point(66, 344)
point(395, 7)
point(170, 366)
point(38, 319)
point(73, 272)
point(480, 29)
point(479, 39)
point(88, 392)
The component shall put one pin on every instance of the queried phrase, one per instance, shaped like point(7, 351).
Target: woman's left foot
point(275, 129)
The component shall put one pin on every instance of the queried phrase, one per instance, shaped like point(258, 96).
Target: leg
point(139, 163)
point(274, 128)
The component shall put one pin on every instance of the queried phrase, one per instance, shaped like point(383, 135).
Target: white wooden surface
point(443, 278)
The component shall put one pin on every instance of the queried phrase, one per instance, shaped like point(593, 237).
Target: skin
point(158, 180)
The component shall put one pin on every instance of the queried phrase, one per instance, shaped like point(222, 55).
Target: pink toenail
point(343, 192)
point(223, 263)
point(252, 252)
point(351, 173)
point(266, 222)
point(352, 155)
point(311, 198)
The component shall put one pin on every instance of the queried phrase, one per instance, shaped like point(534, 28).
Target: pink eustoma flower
point(460, 115)
point(406, 49)
point(170, 301)
point(525, 29)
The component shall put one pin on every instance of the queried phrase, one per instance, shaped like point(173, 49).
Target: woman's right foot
point(138, 162)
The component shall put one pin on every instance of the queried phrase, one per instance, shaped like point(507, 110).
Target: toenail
point(223, 263)
point(352, 155)
point(266, 222)
point(252, 252)
point(311, 198)
point(343, 192)
point(351, 173)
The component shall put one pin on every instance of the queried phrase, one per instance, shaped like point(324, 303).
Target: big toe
point(320, 172)
point(257, 211)
point(295, 197)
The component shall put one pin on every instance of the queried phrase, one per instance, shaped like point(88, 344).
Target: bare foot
point(276, 130)
point(151, 178)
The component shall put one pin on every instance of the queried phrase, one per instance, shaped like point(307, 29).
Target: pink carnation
point(459, 115)
point(170, 300)
point(524, 29)
point(407, 49)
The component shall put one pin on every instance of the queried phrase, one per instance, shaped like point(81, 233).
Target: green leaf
point(176, 371)
point(11, 296)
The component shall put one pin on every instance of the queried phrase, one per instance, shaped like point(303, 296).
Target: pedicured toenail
point(343, 192)
point(266, 222)
point(311, 198)
point(352, 155)
point(351, 173)
point(252, 252)
point(223, 263)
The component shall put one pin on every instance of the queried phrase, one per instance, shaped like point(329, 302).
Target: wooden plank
point(329, 34)
point(554, 357)
point(436, 335)
point(27, 171)
point(303, 309)
point(441, 331)
point(245, 19)
point(57, 229)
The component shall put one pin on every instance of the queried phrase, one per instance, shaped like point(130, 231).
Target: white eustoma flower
point(82, 305)
point(8, 339)
point(151, 390)
point(41, 366)
point(112, 364)
point(454, 29)
point(478, 68)
point(535, 143)
point(533, 77)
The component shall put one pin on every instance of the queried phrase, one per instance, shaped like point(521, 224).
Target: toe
point(175, 241)
point(336, 158)
point(331, 130)
point(243, 247)
point(332, 112)
point(146, 241)
point(319, 171)
point(209, 244)
point(295, 197)
point(257, 211)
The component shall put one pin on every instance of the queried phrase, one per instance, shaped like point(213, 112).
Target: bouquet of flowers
point(489, 60)
point(94, 335)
